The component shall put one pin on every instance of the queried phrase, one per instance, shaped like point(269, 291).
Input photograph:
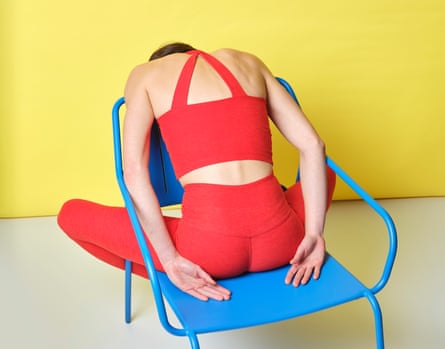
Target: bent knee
point(70, 215)
point(81, 219)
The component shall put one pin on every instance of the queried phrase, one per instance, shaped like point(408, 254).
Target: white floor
point(54, 295)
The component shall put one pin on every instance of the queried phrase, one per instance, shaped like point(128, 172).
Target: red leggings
point(227, 230)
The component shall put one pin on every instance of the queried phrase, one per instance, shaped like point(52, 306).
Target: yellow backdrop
point(369, 74)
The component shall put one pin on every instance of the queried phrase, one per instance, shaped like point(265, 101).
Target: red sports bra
point(200, 134)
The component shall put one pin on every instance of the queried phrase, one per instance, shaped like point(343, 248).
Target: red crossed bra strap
point(182, 88)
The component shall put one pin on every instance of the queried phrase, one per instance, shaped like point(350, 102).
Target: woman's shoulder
point(159, 69)
point(246, 61)
point(236, 54)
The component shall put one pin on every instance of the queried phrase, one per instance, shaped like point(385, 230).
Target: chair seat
point(248, 307)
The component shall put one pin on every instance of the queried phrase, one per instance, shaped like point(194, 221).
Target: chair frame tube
point(148, 261)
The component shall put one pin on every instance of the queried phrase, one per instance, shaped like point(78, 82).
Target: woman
point(213, 113)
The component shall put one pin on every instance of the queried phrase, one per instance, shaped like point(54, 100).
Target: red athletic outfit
point(235, 128)
point(226, 229)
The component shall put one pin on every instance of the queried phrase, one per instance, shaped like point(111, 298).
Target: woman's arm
point(136, 139)
point(138, 121)
point(293, 124)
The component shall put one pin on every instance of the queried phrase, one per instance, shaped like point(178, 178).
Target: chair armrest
point(392, 234)
point(140, 236)
point(369, 200)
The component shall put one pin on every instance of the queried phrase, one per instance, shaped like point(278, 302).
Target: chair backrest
point(163, 179)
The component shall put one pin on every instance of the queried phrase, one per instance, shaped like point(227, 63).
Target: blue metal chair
point(277, 301)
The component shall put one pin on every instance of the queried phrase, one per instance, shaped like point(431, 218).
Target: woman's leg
point(106, 233)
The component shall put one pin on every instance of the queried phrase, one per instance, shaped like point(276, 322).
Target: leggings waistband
point(244, 194)
point(253, 207)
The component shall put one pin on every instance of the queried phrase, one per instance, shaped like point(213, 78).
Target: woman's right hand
point(192, 279)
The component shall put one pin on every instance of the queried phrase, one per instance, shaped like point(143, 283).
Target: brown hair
point(177, 47)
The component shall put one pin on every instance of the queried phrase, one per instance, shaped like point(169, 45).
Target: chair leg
point(193, 340)
point(128, 265)
point(380, 341)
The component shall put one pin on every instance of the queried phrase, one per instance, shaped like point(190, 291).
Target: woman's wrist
point(314, 233)
point(168, 257)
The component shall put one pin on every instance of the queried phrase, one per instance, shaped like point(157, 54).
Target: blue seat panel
point(260, 298)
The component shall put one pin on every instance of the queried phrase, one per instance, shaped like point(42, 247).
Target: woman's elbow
point(132, 174)
point(314, 145)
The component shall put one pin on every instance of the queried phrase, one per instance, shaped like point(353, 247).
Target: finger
point(299, 255)
point(208, 292)
point(307, 276)
point(213, 293)
point(197, 294)
point(224, 291)
point(290, 274)
point(298, 276)
point(317, 271)
point(218, 289)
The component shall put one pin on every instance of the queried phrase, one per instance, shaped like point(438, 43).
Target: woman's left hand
point(307, 261)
